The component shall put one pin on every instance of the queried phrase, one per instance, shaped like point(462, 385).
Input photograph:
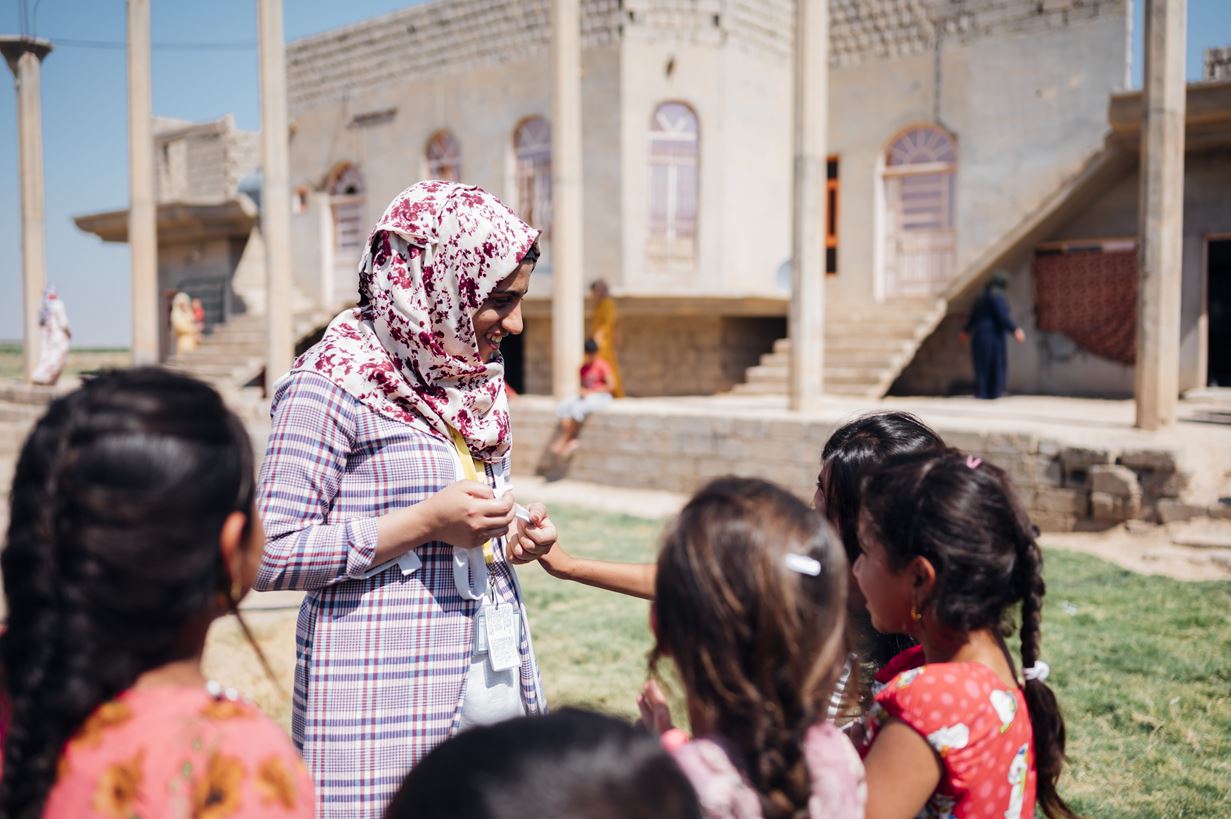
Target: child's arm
point(633, 579)
point(902, 772)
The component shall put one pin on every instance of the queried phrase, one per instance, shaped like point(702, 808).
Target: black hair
point(591, 346)
point(571, 764)
point(852, 451)
point(963, 516)
point(112, 554)
point(532, 255)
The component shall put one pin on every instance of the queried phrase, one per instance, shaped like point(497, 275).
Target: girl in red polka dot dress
point(948, 554)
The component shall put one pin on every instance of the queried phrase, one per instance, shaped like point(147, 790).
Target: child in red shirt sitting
point(597, 385)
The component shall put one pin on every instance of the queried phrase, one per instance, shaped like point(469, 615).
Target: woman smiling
point(385, 495)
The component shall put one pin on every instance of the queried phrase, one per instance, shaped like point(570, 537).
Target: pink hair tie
point(973, 462)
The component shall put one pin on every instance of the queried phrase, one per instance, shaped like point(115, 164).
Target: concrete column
point(24, 56)
point(1161, 214)
point(275, 194)
point(143, 205)
point(806, 321)
point(568, 307)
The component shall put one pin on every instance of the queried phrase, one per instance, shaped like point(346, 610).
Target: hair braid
point(112, 555)
point(1046, 721)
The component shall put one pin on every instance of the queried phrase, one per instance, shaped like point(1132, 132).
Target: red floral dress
point(978, 726)
point(174, 753)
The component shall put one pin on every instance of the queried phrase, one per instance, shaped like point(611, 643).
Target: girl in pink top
point(132, 530)
point(751, 609)
point(948, 554)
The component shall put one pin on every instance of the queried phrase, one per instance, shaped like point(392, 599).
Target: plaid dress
point(382, 662)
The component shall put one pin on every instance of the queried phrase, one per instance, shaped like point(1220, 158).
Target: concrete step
point(853, 390)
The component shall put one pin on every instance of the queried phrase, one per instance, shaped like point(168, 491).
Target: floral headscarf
point(408, 350)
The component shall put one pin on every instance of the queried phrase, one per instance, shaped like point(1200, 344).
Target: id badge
point(502, 648)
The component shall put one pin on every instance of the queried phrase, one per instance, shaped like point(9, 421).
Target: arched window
point(674, 182)
point(347, 191)
point(532, 172)
point(920, 212)
point(444, 157)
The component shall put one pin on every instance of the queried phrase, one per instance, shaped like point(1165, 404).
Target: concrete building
point(1074, 270)
point(948, 124)
point(209, 241)
point(963, 136)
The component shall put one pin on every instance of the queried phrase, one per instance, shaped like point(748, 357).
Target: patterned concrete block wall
point(668, 355)
point(676, 448)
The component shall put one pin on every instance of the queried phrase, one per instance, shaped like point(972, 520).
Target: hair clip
point(802, 564)
point(973, 462)
point(1038, 671)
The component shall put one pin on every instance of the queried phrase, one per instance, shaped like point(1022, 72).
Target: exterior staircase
point(232, 356)
point(866, 347)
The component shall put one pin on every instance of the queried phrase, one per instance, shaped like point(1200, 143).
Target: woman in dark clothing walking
point(985, 329)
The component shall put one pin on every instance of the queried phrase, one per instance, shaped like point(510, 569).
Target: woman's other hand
point(468, 514)
point(1020, 335)
point(534, 539)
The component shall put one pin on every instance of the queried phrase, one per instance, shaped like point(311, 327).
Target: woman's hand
point(532, 540)
point(655, 713)
point(468, 514)
point(1020, 335)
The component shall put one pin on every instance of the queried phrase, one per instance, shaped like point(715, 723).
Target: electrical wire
point(237, 45)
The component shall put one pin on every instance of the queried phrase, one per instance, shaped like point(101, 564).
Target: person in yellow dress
point(604, 331)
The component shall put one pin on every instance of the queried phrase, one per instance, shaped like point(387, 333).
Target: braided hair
point(964, 517)
point(758, 646)
point(112, 556)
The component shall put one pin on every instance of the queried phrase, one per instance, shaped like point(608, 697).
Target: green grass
point(79, 360)
point(1141, 666)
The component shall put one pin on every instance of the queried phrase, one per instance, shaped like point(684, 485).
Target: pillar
point(275, 194)
point(1161, 214)
point(24, 56)
point(806, 320)
point(143, 205)
point(568, 310)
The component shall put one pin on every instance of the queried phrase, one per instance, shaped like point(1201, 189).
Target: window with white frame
point(444, 156)
point(674, 182)
point(532, 172)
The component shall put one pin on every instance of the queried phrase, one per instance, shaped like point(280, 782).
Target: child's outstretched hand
point(655, 713)
point(534, 538)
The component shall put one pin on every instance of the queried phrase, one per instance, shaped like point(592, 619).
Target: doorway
point(1218, 312)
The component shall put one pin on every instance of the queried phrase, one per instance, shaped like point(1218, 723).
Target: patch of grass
point(1141, 666)
point(80, 360)
point(1142, 669)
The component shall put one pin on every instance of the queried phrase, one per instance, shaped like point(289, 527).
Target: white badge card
point(502, 648)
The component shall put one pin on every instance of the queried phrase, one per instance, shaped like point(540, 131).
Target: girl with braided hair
point(750, 607)
point(132, 528)
point(948, 555)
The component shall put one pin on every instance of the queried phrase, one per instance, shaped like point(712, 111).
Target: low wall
point(668, 354)
point(677, 446)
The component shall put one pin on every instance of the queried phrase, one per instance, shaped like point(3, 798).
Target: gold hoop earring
point(915, 614)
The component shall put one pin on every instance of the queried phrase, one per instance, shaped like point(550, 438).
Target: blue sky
point(85, 127)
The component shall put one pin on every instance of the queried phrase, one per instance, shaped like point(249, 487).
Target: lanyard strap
point(471, 469)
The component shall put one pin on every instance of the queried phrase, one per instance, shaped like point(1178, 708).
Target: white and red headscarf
point(409, 351)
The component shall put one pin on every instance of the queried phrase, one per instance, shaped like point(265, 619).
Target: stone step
point(771, 388)
point(848, 357)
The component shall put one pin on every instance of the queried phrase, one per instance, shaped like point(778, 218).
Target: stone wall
point(674, 447)
point(667, 355)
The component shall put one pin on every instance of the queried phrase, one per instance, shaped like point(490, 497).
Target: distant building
point(963, 135)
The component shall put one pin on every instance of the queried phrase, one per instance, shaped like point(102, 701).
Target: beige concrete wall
point(668, 355)
point(742, 102)
point(1027, 103)
point(482, 108)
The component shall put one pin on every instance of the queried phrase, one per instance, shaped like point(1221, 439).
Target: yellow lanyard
point(471, 468)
